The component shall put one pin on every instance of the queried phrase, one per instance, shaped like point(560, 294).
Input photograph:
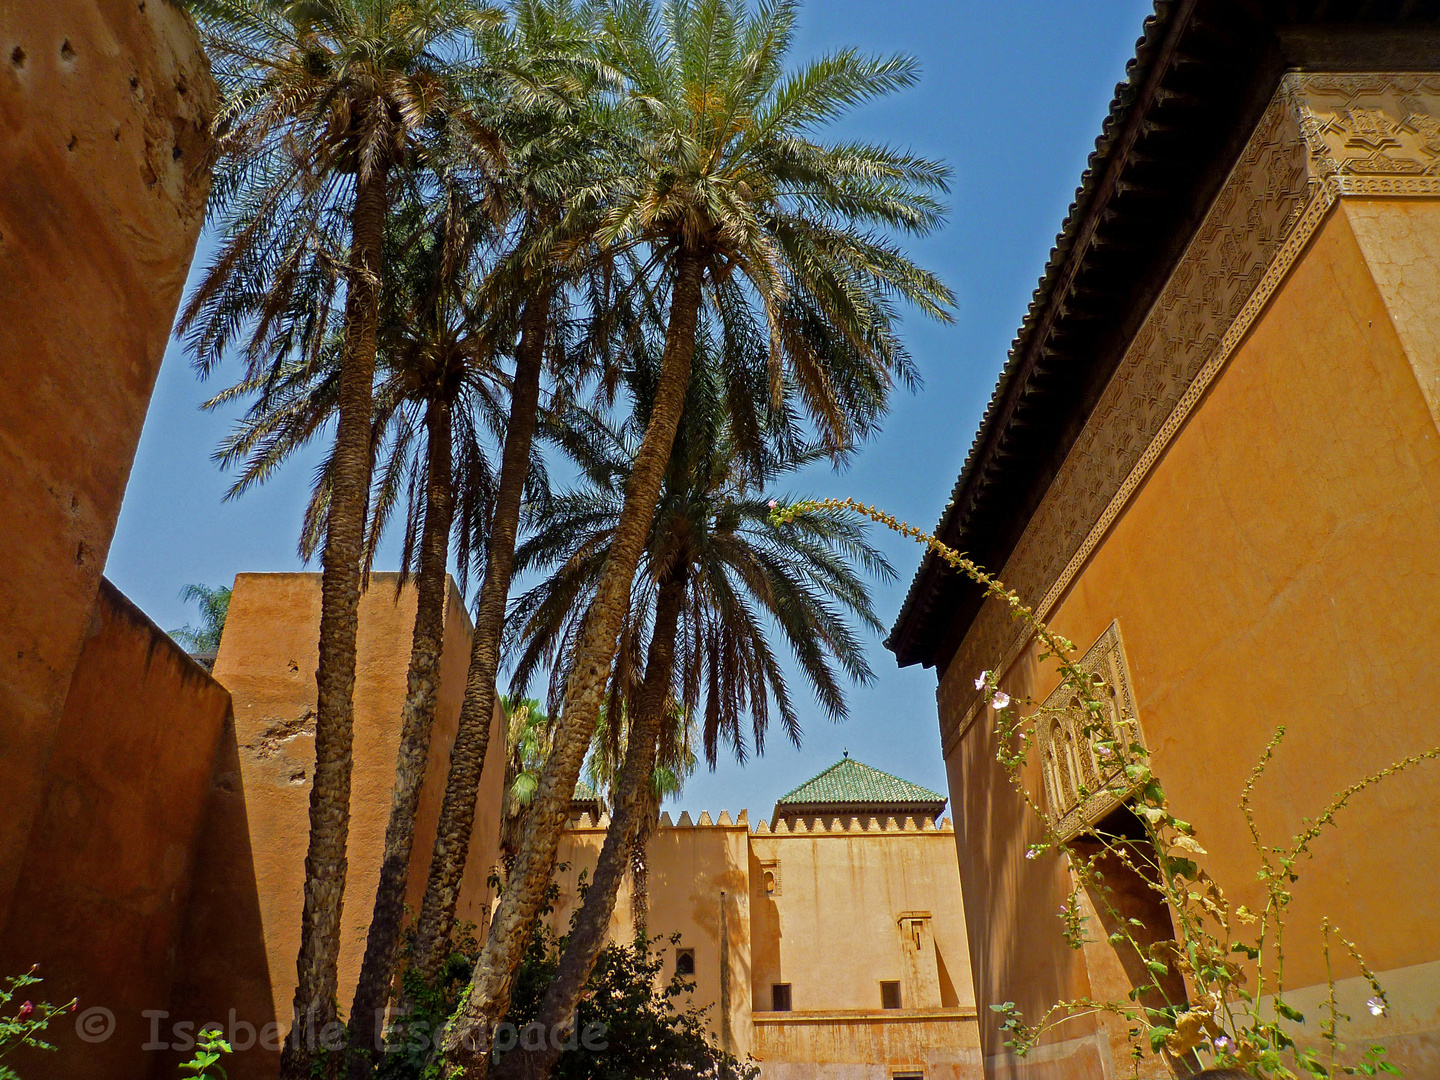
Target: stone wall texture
point(104, 113)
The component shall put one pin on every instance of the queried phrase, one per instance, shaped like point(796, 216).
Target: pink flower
point(1222, 1044)
point(981, 679)
point(772, 504)
point(1002, 699)
point(1105, 752)
point(1032, 854)
point(26, 1010)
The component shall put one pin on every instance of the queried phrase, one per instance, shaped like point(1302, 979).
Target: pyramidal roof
point(849, 781)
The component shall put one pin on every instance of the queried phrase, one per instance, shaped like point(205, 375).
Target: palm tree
point(550, 90)
point(214, 606)
point(439, 359)
point(729, 198)
point(324, 103)
point(675, 761)
point(716, 575)
point(439, 386)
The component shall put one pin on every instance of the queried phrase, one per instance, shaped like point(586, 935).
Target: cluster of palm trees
point(456, 240)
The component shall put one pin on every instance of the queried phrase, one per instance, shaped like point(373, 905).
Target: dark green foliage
point(652, 1030)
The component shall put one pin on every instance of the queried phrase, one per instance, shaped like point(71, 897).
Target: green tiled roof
point(584, 793)
point(848, 781)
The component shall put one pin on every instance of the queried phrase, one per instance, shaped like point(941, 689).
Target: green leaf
point(1288, 1012)
point(1157, 1036)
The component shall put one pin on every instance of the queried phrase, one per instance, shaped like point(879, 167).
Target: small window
point(770, 877)
point(780, 997)
point(908, 1076)
point(685, 962)
point(890, 995)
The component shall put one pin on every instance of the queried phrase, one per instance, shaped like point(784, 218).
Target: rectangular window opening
point(780, 997)
point(890, 995)
point(684, 961)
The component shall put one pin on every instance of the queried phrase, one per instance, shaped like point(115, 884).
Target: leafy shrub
point(652, 1030)
point(23, 1025)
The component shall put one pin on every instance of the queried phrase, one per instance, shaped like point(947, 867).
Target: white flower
point(1377, 1006)
point(1222, 1044)
point(1105, 752)
point(981, 679)
point(1032, 854)
point(1002, 699)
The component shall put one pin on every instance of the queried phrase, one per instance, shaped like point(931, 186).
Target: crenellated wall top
point(826, 825)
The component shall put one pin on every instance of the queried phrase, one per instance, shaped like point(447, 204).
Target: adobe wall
point(1279, 565)
point(103, 117)
point(693, 870)
point(830, 928)
point(259, 825)
point(103, 885)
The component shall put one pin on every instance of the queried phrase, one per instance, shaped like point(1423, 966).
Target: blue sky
point(1012, 96)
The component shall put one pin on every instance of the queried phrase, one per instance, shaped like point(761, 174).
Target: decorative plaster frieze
point(1323, 137)
point(1083, 784)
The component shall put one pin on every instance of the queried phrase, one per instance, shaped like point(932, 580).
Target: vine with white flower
point(1215, 993)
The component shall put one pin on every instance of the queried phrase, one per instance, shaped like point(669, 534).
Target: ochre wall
point(831, 931)
point(689, 869)
point(103, 114)
point(259, 824)
point(103, 884)
point(1279, 565)
point(844, 1046)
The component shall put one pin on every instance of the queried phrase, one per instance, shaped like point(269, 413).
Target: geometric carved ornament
point(1083, 784)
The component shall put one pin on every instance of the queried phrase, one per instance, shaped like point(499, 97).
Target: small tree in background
point(214, 607)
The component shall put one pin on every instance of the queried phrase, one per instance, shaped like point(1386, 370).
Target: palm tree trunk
point(488, 999)
point(417, 717)
point(472, 736)
point(325, 864)
point(640, 871)
point(588, 933)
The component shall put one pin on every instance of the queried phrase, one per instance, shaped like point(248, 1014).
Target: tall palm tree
point(439, 357)
point(551, 82)
point(716, 576)
point(675, 761)
point(439, 387)
point(726, 192)
point(324, 103)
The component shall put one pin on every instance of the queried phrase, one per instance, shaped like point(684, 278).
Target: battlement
point(821, 825)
